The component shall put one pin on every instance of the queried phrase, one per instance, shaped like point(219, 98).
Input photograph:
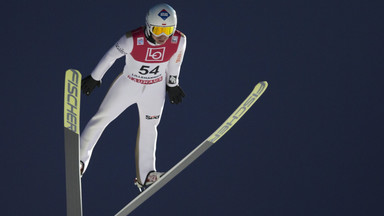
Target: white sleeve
point(120, 49)
point(174, 64)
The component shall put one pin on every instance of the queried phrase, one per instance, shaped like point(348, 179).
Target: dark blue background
point(311, 145)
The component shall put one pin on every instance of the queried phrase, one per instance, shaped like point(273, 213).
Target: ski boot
point(151, 178)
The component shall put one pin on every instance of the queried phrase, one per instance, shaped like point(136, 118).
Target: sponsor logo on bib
point(155, 54)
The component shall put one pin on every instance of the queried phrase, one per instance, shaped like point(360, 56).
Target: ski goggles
point(159, 30)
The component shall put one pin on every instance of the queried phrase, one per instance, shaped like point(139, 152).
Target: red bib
point(144, 52)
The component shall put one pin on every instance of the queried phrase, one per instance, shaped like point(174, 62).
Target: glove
point(175, 94)
point(88, 84)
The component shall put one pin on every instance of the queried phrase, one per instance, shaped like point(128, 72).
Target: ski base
point(199, 150)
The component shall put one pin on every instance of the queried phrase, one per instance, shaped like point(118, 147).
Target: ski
point(199, 150)
point(72, 92)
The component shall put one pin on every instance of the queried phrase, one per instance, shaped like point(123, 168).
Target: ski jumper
point(148, 69)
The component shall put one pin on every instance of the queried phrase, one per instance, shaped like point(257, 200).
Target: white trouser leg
point(150, 109)
point(121, 95)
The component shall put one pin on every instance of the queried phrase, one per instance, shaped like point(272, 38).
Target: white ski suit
point(148, 69)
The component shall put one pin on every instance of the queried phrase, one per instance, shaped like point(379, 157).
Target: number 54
point(145, 69)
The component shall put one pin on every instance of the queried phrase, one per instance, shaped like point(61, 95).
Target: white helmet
point(161, 19)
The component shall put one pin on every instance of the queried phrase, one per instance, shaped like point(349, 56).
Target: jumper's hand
point(88, 84)
point(175, 94)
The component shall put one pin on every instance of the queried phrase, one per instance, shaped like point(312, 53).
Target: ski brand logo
point(164, 14)
point(72, 100)
point(239, 112)
point(155, 54)
point(152, 117)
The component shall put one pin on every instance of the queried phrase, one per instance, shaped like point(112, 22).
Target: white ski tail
point(72, 142)
point(199, 150)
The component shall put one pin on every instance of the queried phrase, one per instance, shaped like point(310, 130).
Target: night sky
point(311, 145)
